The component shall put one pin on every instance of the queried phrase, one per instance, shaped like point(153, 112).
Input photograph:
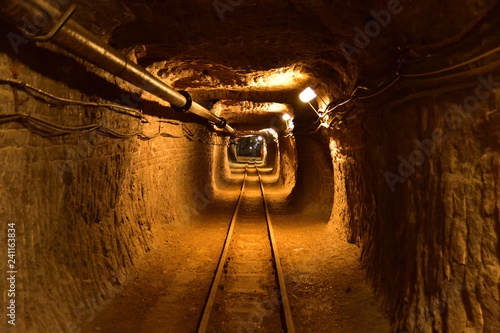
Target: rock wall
point(287, 162)
point(272, 159)
point(417, 185)
point(314, 180)
point(85, 206)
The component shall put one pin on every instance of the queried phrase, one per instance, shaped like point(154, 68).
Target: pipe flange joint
point(222, 123)
point(187, 106)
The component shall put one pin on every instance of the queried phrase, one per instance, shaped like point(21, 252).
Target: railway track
point(248, 292)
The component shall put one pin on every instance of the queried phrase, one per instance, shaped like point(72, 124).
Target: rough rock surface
point(86, 206)
point(421, 197)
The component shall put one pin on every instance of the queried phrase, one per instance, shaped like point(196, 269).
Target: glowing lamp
point(260, 138)
point(286, 117)
point(307, 95)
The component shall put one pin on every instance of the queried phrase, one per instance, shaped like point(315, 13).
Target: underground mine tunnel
point(250, 166)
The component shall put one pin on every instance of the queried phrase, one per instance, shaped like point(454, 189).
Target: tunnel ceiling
point(251, 116)
point(267, 51)
point(250, 36)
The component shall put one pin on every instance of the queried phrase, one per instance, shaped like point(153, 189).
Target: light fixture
point(307, 95)
point(260, 138)
point(289, 124)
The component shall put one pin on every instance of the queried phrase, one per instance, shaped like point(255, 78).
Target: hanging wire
point(49, 129)
point(402, 76)
point(29, 89)
point(484, 55)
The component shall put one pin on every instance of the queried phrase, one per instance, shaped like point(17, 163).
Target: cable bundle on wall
point(48, 97)
point(48, 129)
point(412, 79)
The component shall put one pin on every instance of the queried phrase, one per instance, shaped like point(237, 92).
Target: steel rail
point(290, 328)
point(285, 304)
point(220, 267)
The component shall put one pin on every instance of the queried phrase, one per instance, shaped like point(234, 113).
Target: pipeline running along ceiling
point(263, 51)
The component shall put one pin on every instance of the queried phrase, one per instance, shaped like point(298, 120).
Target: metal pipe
point(74, 38)
point(55, 29)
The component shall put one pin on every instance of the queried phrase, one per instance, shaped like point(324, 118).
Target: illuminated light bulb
point(286, 117)
point(260, 138)
point(307, 95)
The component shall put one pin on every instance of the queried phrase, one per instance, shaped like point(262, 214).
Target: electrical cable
point(382, 90)
point(484, 55)
point(347, 100)
point(30, 89)
point(403, 76)
point(48, 129)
